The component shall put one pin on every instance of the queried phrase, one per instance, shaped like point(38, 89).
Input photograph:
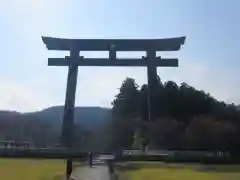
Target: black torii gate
point(75, 46)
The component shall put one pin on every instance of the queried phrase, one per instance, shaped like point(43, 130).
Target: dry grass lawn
point(161, 171)
point(31, 169)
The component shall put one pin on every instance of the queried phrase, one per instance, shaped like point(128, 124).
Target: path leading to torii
point(99, 171)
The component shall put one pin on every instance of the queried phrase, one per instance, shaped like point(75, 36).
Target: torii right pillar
point(152, 83)
point(152, 79)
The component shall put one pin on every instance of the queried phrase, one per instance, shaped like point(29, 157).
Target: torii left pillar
point(68, 117)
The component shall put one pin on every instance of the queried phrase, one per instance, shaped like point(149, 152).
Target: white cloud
point(18, 97)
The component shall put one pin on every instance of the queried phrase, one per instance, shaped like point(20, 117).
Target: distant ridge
point(86, 116)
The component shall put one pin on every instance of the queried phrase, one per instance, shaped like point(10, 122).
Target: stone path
point(99, 171)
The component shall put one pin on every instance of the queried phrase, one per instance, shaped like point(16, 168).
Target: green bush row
point(48, 153)
point(183, 159)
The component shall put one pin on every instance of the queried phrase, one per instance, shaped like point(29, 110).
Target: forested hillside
point(43, 127)
point(183, 118)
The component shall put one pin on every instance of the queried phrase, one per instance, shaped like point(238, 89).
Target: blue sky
point(209, 60)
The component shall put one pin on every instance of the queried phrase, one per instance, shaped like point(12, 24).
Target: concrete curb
point(111, 170)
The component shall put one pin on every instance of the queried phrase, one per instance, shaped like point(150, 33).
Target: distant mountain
point(89, 117)
point(21, 127)
point(43, 127)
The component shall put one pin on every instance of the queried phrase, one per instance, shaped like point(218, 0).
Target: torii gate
point(75, 46)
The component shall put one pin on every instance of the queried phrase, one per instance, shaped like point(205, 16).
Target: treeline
point(184, 118)
point(30, 128)
point(21, 128)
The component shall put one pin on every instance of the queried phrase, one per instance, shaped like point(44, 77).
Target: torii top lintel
point(168, 44)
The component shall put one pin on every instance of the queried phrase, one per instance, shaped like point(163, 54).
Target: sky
point(209, 60)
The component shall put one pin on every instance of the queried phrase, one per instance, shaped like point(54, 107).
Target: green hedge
point(140, 158)
point(46, 153)
point(183, 159)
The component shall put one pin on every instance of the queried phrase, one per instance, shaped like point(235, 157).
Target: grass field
point(161, 171)
point(30, 169)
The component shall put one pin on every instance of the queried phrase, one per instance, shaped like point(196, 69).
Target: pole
point(152, 81)
point(68, 117)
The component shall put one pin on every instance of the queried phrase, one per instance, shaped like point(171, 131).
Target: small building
point(11, 144)
point(7, 144)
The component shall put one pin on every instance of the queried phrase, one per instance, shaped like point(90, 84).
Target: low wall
point(43, 153)
point(180, 159)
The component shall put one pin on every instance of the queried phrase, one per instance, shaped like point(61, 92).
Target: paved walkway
point(99, 171)
point(88, 173)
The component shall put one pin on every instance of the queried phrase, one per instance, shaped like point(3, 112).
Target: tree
point(126, 103)
point(125, 109)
